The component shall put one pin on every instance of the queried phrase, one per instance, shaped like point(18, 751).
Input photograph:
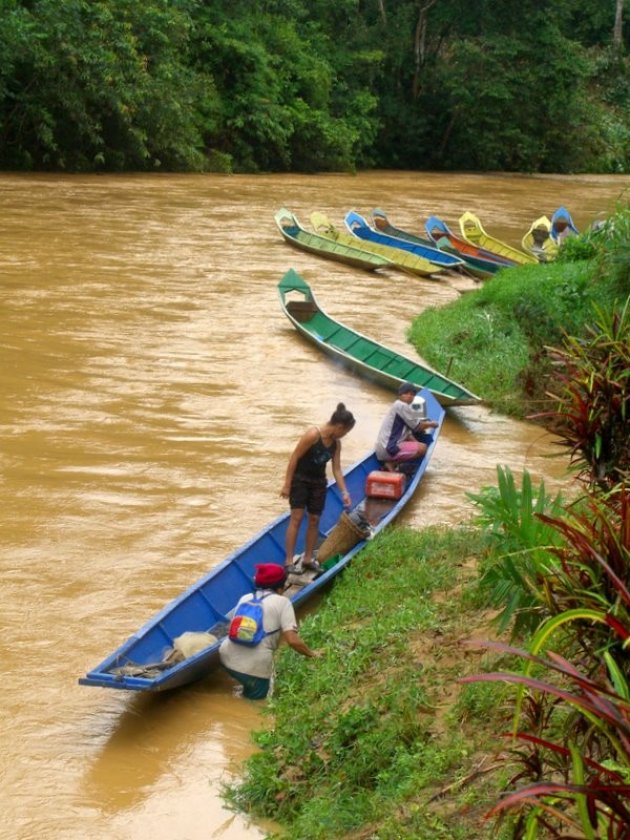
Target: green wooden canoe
point(404, 260)
point(362, 354)
point(321, 246)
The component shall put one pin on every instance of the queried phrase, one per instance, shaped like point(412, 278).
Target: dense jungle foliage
point(291, 85)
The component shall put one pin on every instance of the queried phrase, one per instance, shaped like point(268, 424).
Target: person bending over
point(252, 667)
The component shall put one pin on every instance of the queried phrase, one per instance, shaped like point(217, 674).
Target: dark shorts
point(308, 493)
point(423, 437)
point(254, 688)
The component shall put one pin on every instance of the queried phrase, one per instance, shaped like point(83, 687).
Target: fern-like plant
point(520, 559)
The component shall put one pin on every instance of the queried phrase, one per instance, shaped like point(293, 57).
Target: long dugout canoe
point(360, 353)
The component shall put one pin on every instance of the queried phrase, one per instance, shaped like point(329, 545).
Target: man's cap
point(270, 574)
point(408, 388)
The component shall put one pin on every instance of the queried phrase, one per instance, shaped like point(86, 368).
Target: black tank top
point(312, 464)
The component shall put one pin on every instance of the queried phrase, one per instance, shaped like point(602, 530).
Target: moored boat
point(403, 260)
point(538, 241)
point(358, 226)
point(469, 265)
point(365, 356)
point(149, 660)
point(438, 231)
point(562, 225)
point(304, 240)
point(473, 231)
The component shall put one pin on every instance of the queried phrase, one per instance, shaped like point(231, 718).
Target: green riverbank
point(378, 740)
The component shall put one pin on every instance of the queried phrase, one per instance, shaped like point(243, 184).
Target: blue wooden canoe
point(361, 354)
point(138, 664)
point(358, 226)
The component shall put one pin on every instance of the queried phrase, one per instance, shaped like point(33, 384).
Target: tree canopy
point(290, 85)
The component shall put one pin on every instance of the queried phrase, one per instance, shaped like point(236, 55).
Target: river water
point(151, 392)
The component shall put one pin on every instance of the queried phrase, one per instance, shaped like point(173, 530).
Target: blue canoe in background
point(437, 229)
point(358, 226)
point(145, 662)
point(562, 225)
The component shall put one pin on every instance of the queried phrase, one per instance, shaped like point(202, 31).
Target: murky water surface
point(150, 393)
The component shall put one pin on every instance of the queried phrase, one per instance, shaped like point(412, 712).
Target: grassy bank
point(493, 339)
point(395, 747)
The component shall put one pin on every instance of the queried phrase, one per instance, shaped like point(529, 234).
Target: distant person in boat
point(305, 483)
point(563, 230)
point(440, 239)
point(403, 435)
point(252, 667)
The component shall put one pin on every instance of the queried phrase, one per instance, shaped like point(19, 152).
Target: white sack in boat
point(190, 643)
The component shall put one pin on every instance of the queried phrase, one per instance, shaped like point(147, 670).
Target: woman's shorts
point(308, 494)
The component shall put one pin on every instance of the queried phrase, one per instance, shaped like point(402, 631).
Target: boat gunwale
point(386, 379)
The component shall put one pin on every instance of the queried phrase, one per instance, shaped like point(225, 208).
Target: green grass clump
point(368, 734)
point(494, 339)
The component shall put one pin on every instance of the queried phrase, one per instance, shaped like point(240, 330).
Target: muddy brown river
point(151, 393)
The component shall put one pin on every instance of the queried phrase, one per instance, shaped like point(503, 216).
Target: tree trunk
point(618, 28)
point(419, 43)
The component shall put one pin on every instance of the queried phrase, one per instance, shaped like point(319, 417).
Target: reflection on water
point(151, 392)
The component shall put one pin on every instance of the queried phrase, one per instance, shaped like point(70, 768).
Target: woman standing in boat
point(305, 482)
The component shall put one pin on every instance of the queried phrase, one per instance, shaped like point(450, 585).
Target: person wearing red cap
point(305, 483)
point(252, 667)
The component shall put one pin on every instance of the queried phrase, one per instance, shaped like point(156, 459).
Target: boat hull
point(538, 242)
point(361, 354)
point(483, 261)
point(296, 236)
point(205, 606)
point(472, 231)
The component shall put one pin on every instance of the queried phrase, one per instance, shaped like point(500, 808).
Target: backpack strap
point(266, 593)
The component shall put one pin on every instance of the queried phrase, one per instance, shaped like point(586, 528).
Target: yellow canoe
point(473, 232)
point(404, 260)
point(538, 241)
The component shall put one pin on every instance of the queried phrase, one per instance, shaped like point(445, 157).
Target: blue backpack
point(246, 626)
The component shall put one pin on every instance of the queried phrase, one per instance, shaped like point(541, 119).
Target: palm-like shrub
point(572, 729)
point(593, 400)
point(572, 732)
point(519, 558)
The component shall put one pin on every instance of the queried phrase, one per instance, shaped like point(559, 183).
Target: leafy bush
point(592, 396)
point(572, 732)
point(520, 559)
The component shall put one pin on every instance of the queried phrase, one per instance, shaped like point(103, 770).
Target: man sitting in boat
point(403, 433)
point(252, 667)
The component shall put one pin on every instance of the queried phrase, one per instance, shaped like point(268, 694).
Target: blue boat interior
point(357, 225)
point(206, 606)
